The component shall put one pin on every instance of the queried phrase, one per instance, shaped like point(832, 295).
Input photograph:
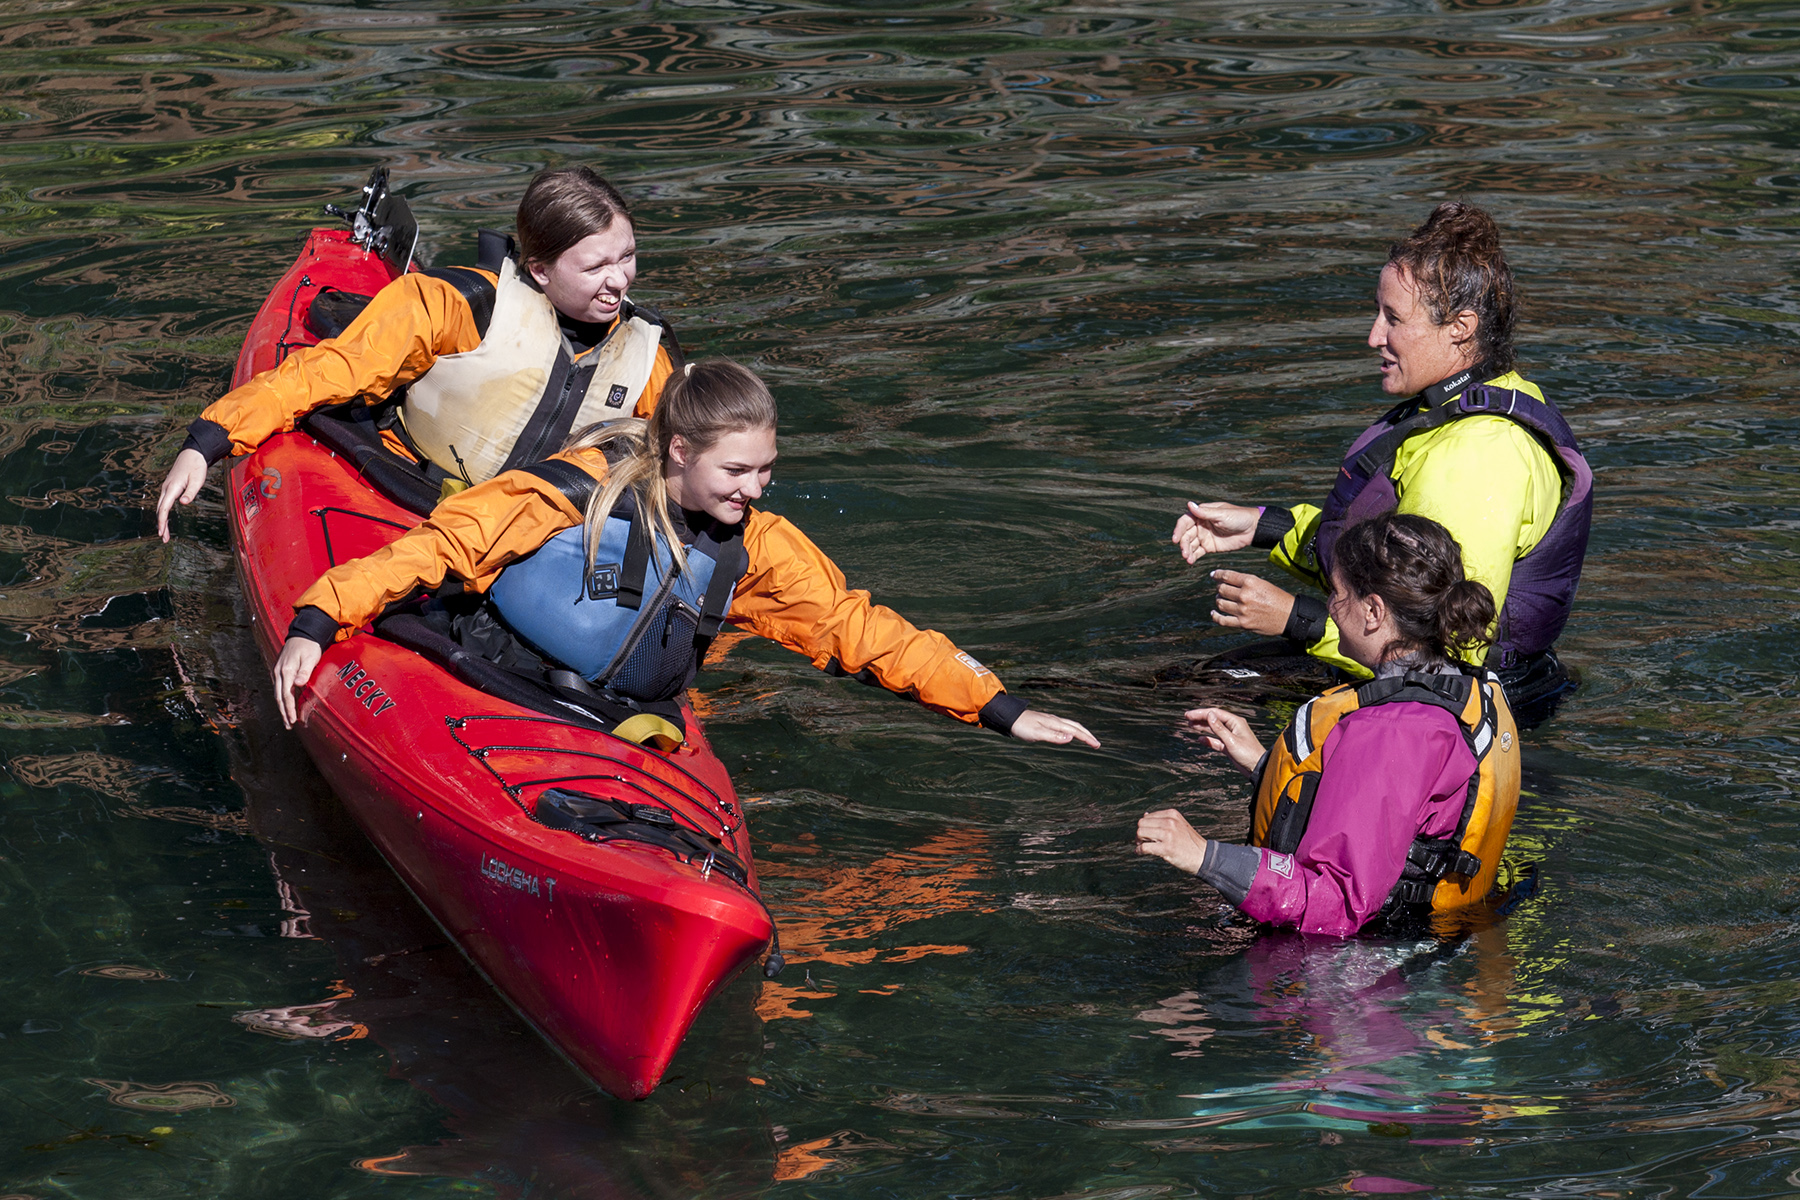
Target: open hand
point(1247, 602)
point(1214, 528)
point(299, 657)
point(1225, 731)
point(183, 482)
point(1035, 726)
point(1167, 834)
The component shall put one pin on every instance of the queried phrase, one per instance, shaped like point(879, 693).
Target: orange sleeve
point(795, 595)
point(392, 342)
point(660, 370)
point(472, 535)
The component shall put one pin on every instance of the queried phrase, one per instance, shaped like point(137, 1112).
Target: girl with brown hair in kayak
point(483, 368)
point(610, 577)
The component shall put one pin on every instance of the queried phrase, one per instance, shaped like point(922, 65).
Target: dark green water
point(1025, 277)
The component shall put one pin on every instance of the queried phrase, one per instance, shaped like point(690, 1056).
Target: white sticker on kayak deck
point(1281, 864)
point(970, 663)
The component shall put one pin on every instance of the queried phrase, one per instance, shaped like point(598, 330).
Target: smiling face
point(1416, 351)
point(588, 281)
point(724, 478)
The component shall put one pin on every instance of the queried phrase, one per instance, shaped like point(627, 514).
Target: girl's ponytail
point(1465, 613)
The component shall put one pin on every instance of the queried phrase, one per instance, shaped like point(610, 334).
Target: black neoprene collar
point(1455, 385)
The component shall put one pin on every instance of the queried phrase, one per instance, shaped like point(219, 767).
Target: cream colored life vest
point(513, 399)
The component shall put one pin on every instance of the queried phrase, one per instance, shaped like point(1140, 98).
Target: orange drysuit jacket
point(792, 593)
point(392, 342)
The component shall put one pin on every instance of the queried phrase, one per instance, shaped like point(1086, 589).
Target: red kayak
point(607, 938)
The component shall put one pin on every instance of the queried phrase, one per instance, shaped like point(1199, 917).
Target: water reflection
point(1380, 1034)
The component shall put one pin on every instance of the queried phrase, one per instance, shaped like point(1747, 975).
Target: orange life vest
point(1443, 873)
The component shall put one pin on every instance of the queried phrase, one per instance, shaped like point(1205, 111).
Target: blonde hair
point(702, 405)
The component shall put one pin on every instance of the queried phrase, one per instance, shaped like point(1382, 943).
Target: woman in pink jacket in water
point(1388, 798)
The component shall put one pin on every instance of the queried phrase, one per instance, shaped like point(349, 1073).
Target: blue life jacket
point(634, 623)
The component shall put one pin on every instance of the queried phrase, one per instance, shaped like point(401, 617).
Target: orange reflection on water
point(715, 654)
point(797, 1162)
point(852, 904)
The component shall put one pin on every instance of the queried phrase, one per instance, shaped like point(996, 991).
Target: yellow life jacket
point(517, 396)
point(1443, 873)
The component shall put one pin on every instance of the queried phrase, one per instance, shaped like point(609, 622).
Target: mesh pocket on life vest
point(663, 660)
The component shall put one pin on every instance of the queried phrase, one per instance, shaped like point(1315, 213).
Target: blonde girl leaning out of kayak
point(623, 592)
point(496, 363)
point(1393, 797)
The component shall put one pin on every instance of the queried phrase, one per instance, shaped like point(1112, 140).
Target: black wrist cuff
point(1274, 524)
point(999, 713)
point(209, 438)
point(313, 624)
point(1306, 623)
point(1231, 868)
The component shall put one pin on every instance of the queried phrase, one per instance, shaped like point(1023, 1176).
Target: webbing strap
point(1378, 456)
point(638, 546)
point(730, 560)
point(1489, 719)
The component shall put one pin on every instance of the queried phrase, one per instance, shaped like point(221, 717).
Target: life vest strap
point(1378, 456)
point(632, 573)
point(731, 559)
point(1438, 857)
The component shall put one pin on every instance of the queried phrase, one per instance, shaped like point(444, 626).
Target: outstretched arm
point(472, 535)
point(392, 342)
point(795, 595)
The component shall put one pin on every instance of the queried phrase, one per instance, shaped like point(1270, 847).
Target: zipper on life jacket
point(541, 447)
point(569, 399)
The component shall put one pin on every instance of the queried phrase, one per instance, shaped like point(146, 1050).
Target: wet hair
point(1416, 567)
point(702, 405)
point(560, 208)
point(1455, 261)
